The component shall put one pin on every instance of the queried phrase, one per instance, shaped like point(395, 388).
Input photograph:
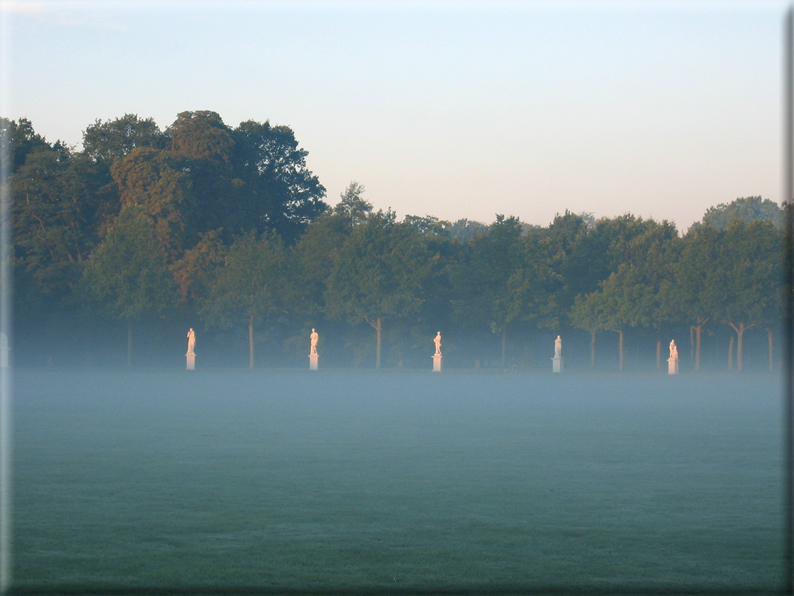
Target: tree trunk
point(620, 347)
point(504, 342)
point(378, 332)
point(730, 354)
point(771, 354)
point(658, 353)
point(739, 350)
point(129, 344)
point(691, 343)
point(251, 342)
point(740, 329)
point(698, 331)
point(592, 349)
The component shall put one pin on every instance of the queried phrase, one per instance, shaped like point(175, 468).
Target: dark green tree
point(58, 205)
point(112, 140)
point(250, 286)
point(744, 209)
point(22, 140)
point(127, 277)
point(489, 282)
point(694, 296)
point(748, 276)
point(378, 273)
point(276, 190)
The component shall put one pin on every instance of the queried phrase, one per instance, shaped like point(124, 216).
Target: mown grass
point(350, 480)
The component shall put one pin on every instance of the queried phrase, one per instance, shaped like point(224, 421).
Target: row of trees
point(202, 221)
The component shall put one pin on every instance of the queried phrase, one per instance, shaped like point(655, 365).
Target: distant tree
point(313, 258)
point(748, 275)
point(632, 295)
point(489, 282)
point(112, 140)
point(378, 273)
point(622, 301)
point(276, 191)
point(57, 204)
point(127, 277)
point(465, 229)
point(572, 256)
point(194, 270)
point(744, 209)
point(352, 206)
point(589, 312)
point(694, 296)
point(150, 180)
point(23, 140)
point(250, 285)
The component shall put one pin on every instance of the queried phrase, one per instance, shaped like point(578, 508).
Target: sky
point(450, 109)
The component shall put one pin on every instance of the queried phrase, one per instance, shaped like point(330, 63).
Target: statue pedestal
point(436, 362)
point(672, 366)
point(191, 361)
point(313, 361)
point(557, 364)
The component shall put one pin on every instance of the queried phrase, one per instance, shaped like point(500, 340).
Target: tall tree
point(694, 296)
point(276, 189)
point(112, 140)
point(127, 276)
point(589, 312)
point(378, 274)
point(744, 209)
point(490, 282)
point(57, 206)
point(149, 180)
point(22, 139)
point(352, 206)
point(748, 277)
point(250, 286)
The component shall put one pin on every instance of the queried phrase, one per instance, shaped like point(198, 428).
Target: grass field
point(365, 479)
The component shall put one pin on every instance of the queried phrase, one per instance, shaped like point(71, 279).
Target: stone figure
point(313, 338)
point(673, 350)
point(191, 341)
point(437, 341)
point(558, 347)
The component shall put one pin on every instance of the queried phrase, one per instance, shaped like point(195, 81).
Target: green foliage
point(313, 257)
point(57, 206)
point(276, 190)
point(352, 206)
point(114, 139)
point(378, 271)
point(200, 136)
point(745, 209)
point(503, 278)
point(748, 272)
point(126, 276)
point(251, 283)
point(22, 139)
point(148, 180)
point(465, 230)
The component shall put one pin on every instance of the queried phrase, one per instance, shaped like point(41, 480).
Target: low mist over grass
point(365, 479)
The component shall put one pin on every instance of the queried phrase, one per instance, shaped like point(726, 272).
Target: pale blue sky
point(448, 109)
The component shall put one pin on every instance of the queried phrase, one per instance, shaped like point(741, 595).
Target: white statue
point(437, 341)
point(313, 338)
point(191, 341)
point(558, 347)
point(673, 350)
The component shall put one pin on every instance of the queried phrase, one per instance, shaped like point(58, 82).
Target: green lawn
point(362, 479)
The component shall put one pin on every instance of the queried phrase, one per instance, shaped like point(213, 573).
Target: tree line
point(146, 229)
